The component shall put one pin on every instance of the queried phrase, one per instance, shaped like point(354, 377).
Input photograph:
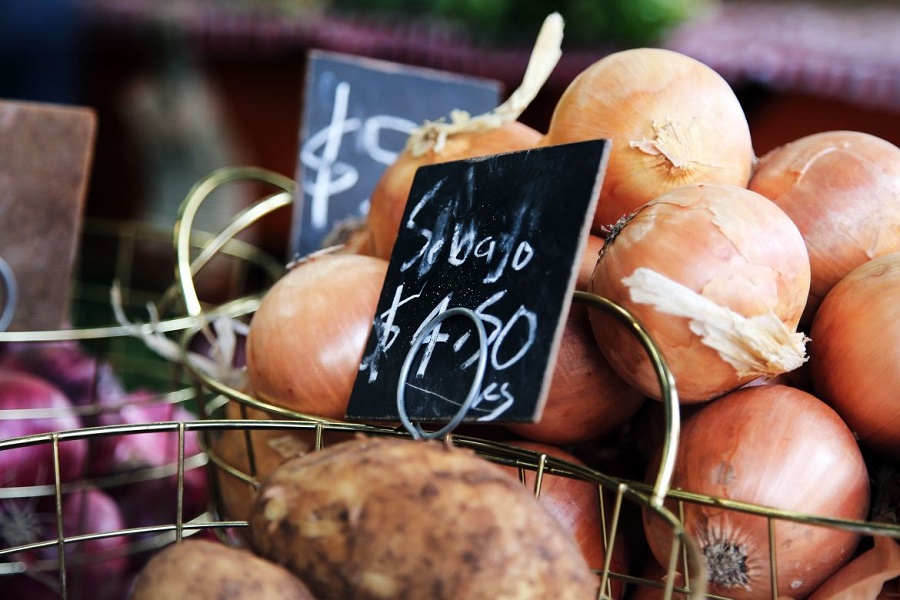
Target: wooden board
point(502, 237)
point(46, 152)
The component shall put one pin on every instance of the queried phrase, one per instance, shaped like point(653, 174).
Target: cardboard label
point(46, 152)
point(501, 237)
point(358, 114)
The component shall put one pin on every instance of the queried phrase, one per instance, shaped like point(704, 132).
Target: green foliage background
point(588, 22)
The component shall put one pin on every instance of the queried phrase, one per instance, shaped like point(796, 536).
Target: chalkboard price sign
point(499, 238)
point(358, 113)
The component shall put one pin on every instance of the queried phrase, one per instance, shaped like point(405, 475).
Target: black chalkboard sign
point(358, 113)
point(500, 238)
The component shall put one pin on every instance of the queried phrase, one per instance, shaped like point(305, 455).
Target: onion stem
point(759, 345)
point(432, 135)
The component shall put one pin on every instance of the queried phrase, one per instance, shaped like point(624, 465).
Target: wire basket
point(92, 487)
point(66, 558)
point(240, 453)
point(685, 573)
point(227, 410)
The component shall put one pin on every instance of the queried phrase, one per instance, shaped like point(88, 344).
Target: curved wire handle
point(8, 279)
point(474, 391)
point(187, 212)
point(666, 383)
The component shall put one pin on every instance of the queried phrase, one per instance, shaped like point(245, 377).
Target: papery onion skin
point(307, 337)
point(773, 446)
point(853, 352)
point(586, 399)
point(842, 189)
point(729, 245)
point(672, 121)
point(866, 576)
point(388, 199)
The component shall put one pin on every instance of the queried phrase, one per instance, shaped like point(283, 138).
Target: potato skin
point(382, 517)
point(207, 570)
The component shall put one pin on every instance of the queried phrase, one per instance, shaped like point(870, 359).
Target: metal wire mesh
point(250, 425)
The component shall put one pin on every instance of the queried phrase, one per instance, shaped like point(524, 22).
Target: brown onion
point(575, 504)
point(307, 337)
point(769, 446)
point(270, 448)
point(586, 398)
point(388, 199)
point(853, 363)
point(842, 189)
point(719, 276)
point(494, 132)
point(672, 121)
point(588, 261)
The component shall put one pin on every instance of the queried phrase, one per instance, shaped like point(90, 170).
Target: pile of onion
point(672, 120)
point(772, 446)
point(719, 276)
point(308, 335)
point(853, 365)
point(842, 189)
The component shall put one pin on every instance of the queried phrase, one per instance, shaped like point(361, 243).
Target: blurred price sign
point(499, 239)
point(46, 152)
point(358, 113)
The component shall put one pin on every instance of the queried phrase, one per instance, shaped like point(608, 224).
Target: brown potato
point(380, 517)
point(207, 570)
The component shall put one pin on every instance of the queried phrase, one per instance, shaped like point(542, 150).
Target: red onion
point(84, 378)
point(95, 569)
point(33, 465)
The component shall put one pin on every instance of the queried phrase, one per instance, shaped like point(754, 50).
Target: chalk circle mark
point(474, 391)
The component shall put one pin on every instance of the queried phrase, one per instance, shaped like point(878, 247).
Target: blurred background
point(182, 87)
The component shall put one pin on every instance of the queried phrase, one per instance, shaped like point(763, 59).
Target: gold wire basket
point(251, 415)
point(224, 409)
point(51, 543)
point(59, 559)
point(685, 560)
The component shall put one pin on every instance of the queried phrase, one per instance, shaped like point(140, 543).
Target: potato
point(203, 569)
point(382, 517)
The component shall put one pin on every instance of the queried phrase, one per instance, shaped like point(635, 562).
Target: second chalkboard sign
point(499, 237)
point(358, 113)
